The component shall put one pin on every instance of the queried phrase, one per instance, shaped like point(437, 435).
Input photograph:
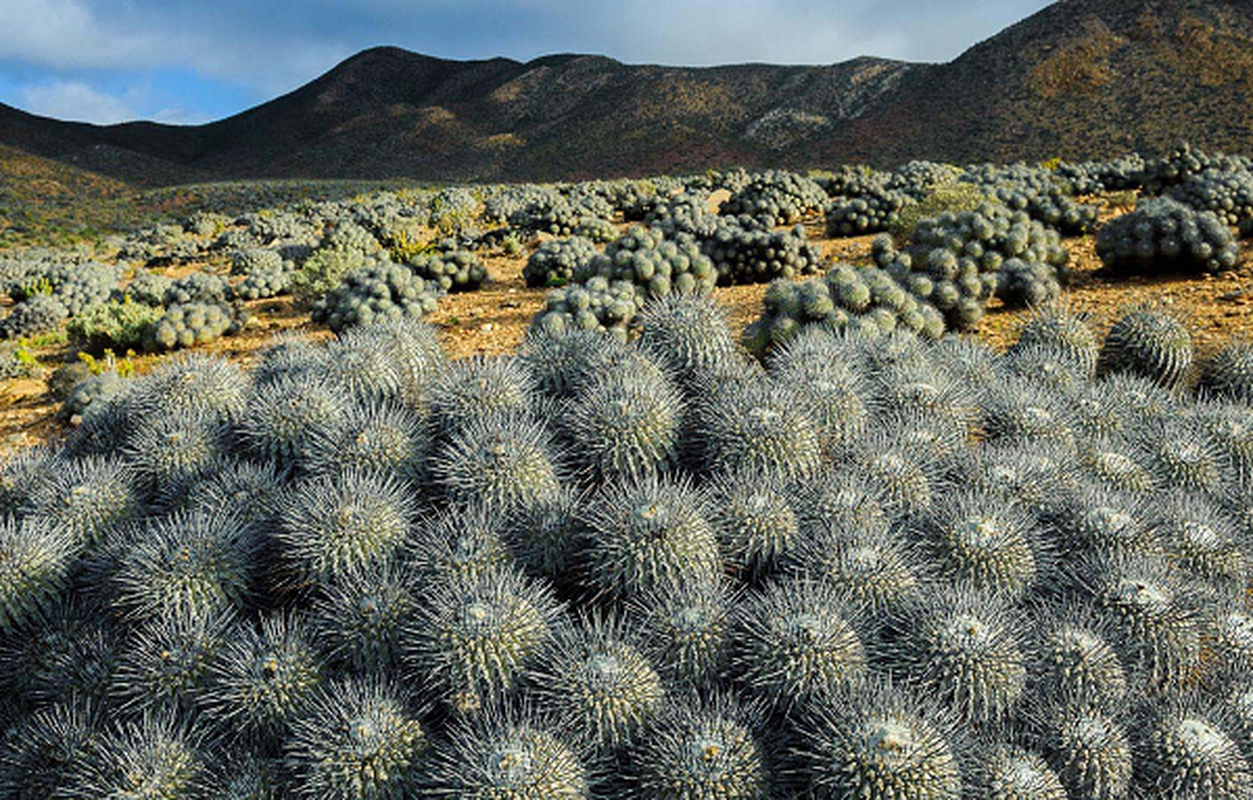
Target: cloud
point(77, 102)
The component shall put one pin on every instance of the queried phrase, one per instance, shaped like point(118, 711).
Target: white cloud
point(75, 101)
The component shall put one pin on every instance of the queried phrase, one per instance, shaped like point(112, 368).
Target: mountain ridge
point(1078, 79)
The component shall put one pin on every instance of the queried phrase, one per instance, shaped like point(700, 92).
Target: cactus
point(165, 663)
point(976, 542)
point(1186, 753)
point(625, 425)
point(758, 425)
point(755, 520)
point(357, 622)
point(189, 562)
point(685, 630)
point(1091, 752)
point(1009, 772)
point(196, 384)
point(36, 557)
point(869, 565)
point(461, 542)
point(548, 537)
point(1148, 343)
point(509, 756)
point(876, 740)
point(477, 388)
point(472, 637)
point(796, 640)
point(282, 414)
point(596, 684)
point(169, 453)
point(334, 524)
point(154, 757)
point(699, 749)
point(566, 361)
point(1229, 374)
point(43, 749)
point(964, 648)
point(501, 463)
point(355, 740)
point(377, 436)
point(1182, 455)
point(647, 535)
point(1073, 661)
point(686, 333)
point(87, 496)
point(1065, 333)
point(264, 678)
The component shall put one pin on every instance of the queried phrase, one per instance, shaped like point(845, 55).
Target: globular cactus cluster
point(778, 197)
point(871, 566)
point(556, 261)
point(1161, 235)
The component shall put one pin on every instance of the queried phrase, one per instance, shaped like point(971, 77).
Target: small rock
point(487, 328)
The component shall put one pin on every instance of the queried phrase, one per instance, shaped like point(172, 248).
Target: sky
point(192, 61)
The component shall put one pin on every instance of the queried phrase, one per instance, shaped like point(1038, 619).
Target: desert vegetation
point(773, 485)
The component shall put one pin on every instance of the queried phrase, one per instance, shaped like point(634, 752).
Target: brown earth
point(494, 320)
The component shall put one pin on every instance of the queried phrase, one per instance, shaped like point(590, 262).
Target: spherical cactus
point(356, 739)
point(188, 562)
point(647, 535)
point(1095, 525)
point(472, 636)
point(1150, 344)
point(501, 463)
point(973, 540)
point(909, 391)
point(264, 678)
point(168, 454)
point(41, 751)
point(1186, 753)
point(1117, 465)
point(1155, 625)
point(1229, 374)
point(758, 425)
point(1063, 332)
point(35, 561)
point(624, 426)
point(903, 477)
point(68, 653)
point(596, 683)
point(333, 524)
point(414, 349)
point(365, 366)
point(796, 640)
point(1031, 479)
point(685, 630)
point(1228, 635)
point(509, 756)
point(156, 757)
point(1008, 772)
point(875, 740)
point(1090, 751)
point(377, 436)
point(165, 663)
point(88, 496)
point(357, 622)
point(1230, 427)
point(1074, 661)
point(1044, 367)
point(288, 354)
point(547, 537)
point(1203, 539)
point(564, 362)
point(1019, 411)
point(868, 565)
point(964, 648)
point(699, 750)
point(20, 471)
point(834, 393)
point(467, 542)
point(245, 490)
point(246, 777)
point(282, 414)
point(195, 384)
point(1181, 454)
point(686, 333)
point(756, 523)
point(478, 388)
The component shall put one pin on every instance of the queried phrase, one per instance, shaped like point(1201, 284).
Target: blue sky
point(187, 62)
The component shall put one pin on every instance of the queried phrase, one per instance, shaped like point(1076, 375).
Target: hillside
point(1082, 78)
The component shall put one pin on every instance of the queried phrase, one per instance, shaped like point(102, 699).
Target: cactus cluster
point(1162, 234)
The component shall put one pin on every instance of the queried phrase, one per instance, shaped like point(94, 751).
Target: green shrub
point(113, 324)
point(953, 198)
